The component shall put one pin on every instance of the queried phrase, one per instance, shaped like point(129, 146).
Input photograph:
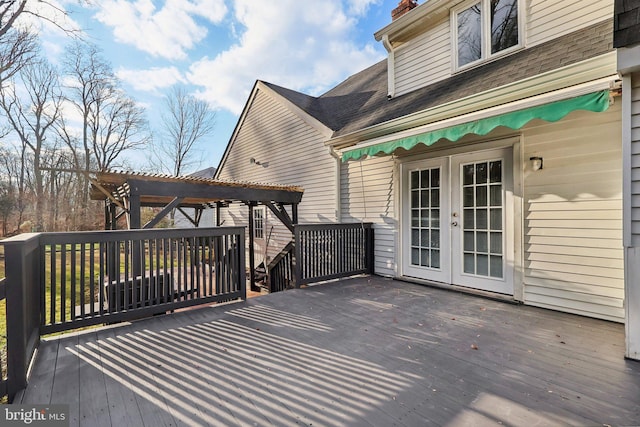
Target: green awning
point(552, 112)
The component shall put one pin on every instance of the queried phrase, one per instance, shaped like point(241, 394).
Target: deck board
point(362, 352)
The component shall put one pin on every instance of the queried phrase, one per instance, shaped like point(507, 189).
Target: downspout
point(391, 73)
point(337, 172)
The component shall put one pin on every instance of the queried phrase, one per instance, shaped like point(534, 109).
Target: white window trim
point(263, 211)
point(486, 30)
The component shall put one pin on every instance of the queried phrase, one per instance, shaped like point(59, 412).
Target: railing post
point(369, 249)
point(296, 260)
point(23, 279)
point(242, 276)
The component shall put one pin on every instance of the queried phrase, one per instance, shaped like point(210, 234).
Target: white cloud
point(151, 80)
point(302, 45)
point(165, 32)
point(361, 7)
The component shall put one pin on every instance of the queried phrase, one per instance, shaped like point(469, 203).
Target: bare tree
point(32, 121)
point(111, 122)
point(18, 43)
point(7, 204)
point(186, 122)
point(119, 127)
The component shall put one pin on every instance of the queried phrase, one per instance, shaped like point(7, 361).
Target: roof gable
point(295, 102)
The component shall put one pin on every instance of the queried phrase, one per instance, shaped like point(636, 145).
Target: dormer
point(441, 38)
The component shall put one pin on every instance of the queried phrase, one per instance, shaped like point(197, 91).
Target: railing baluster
point(129, 286)
point(73, 282)
point(53, 284)
point(101, 279)
point(92, 278)
point(63, 283)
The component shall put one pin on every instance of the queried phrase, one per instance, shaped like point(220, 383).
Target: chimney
point(403, 7)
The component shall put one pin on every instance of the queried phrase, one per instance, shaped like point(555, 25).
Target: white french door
point(457, 220)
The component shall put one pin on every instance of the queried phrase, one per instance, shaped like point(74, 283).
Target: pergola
point(126, 193)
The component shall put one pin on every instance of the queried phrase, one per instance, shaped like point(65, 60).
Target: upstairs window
point(485, 28)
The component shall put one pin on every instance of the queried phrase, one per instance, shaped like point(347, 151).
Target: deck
point(364, 351)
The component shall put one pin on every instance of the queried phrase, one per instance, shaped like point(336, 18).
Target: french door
point(457, 220)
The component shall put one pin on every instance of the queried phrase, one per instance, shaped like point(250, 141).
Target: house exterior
point(486, 149)
point(627, 41)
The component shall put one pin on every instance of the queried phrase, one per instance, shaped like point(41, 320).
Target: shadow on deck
point(364, 351)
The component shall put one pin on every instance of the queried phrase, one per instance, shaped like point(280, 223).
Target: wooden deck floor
point(365, 351)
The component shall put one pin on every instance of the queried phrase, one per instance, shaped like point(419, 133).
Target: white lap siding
point(291, 152)
point(367, 194)
point(573, 254)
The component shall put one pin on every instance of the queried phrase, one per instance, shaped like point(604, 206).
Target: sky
point(217, 49)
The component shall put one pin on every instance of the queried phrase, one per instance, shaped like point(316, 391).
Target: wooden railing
point(280, 270)
point(330, 251)
point(322, 252)
point(62, 281)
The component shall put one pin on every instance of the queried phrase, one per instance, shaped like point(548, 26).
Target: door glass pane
point(415, 198)
point(469, 241)
point(482, 267)
point(435, 239)
point(469, 263)
point(424, 218)
point(481, 188)
point(435, 259)
point(435, 218)
point(481, 173)
point(495, 243)
point(424, 198)
point(482, 242)
point(467, 174)
point(495, 266)
point(495, 195)
point(504, 24)
point(415, 180)
point(469, 35)
point(435, 198)
point(481, 195)
point(468, 220)
point(467, 197)
point(425, 241)
point(481, 219)
point(424, 180)
point(424, 254)
point(496, 219)
point(435, 178)
point(415, 256)
point(495, 171)
point(425, 222)
point(415, 237)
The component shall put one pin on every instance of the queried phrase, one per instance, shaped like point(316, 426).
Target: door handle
point(454, 223)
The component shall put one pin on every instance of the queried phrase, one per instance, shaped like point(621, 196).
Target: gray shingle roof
point(626, 23)
point(361, 100)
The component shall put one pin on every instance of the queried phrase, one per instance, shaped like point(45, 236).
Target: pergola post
point(252, 262)
point(135, 223)
point(297, 248)
point(111, 220)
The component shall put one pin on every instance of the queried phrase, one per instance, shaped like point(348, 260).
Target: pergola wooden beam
point(174, 203)
point(194, 190)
